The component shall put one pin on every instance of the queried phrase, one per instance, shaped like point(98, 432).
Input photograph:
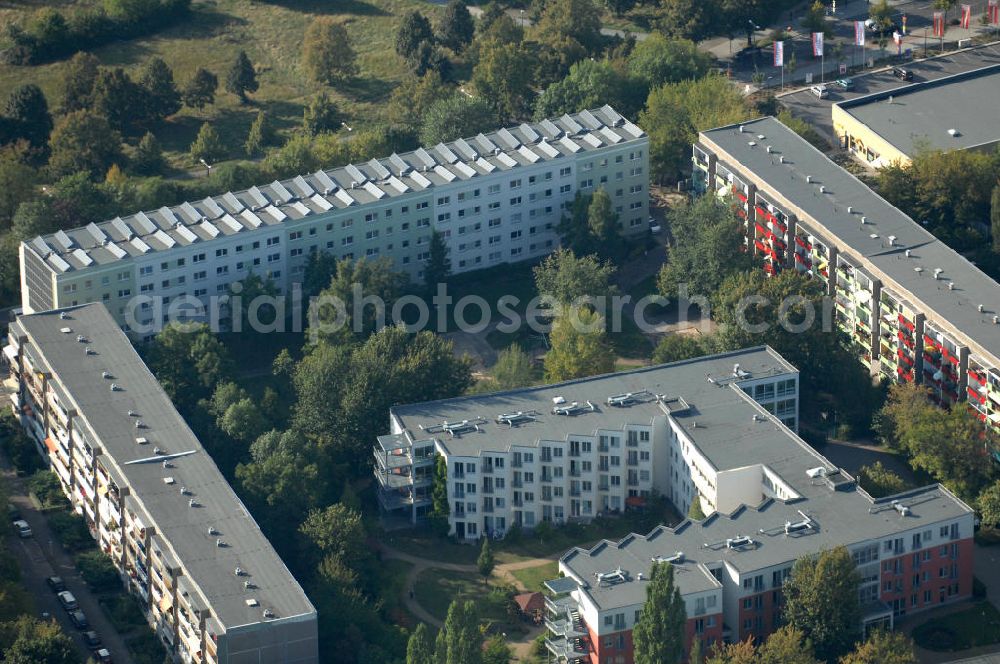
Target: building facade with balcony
point(494, 198)
point(575, 450)
point(908, 306)
point(211, 585)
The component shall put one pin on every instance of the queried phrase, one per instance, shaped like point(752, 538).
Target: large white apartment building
point(496, 198)
point(212, 586)
point(910, 308)
point(577, 449)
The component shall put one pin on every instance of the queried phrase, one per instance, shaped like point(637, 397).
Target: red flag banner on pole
point(966, 16)
point(817, 40)
point(938, 24)
point(779, 54)
point(993, 10)
point(859, 33)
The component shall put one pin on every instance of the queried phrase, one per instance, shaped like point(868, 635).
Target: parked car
point(103, 656)
point(820, 91)
point(883, 29)
point(67, 600)
point(844, 83)
point(654, 227)
point(92, 639)
point(902, 73)
point(22, 528)
point(78, 619)
point(56, 584)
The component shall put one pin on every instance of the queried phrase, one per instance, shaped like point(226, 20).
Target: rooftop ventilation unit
point(167, 464)
point(90, 351)
point(892, 240)
point(819, 471)
point(193, 503)
point(809, 179)
point(184, 491)
point(558, 400)
point(268, 613)
point(675, 559)
point(740, 373)
point(781, 159)
point(822, 189)
point(248, 585)
point(512, 419)
point(980, 308)
point(627, 399)
point(864, 220)
point(82, 339)
point(937, 272)
point(769, 149)
point(739, 542)
point(168, 480)
point(238, 571)
point(220, 543)
point(63, 315)
point(901, 508)
point(106, 375)
point(996, 320)
point(951, 285)
point(918, 269)
point(616, 576)
point(65, 330)
point(574, 408)
point(798, 526)
point(141, 441)
point(114, 387)
point(212, 532)
point(133, 413)
point(252, 602)
point(741, 129)
point(954, 133)
point(759, 418)
point(908, 253)
point(850, 210)
point(139, 424)
point(157, 450)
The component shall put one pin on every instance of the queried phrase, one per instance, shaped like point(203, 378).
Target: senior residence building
point(212, 586)
point(495, 199)
point(719, 429)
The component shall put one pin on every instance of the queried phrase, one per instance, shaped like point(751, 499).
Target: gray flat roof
point(375, 182)
point(922, 113)
point(183, 529)
point(726, 430)
point(787, 181)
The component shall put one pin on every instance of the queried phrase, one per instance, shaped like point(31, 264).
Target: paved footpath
point(521, 647)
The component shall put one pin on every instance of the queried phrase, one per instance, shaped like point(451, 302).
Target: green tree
point(327, 54)
point(27, 114)
point(995, 218)
point(98, 571)
point(676, 112)
point(118, 99)
point(199, 92)
point(821, 600)
point(28, 641)
point(708, 239)
point(456, 28)
point(879, 481)
point(579, 347)
point(320, 116)
point(591, 226)
point(207, 145)
point(241, 78)
point(459, 641)
point(944, 443)
point(77, 82)
point(429, 57)
point(410, 101)
point(657, 60)
point(455, 116)
point(684, 19)
point(988, 504)
point(188, 361)
point(658, 635)
point(438, 266)
point(880, 12)
point(337, 531)
point(83, 141)
point(485, 562)
point(440, 507)
point(353, 281)
point(420, 648)
point(260, 136)
point(502, 76)
point(577, 20)
point(676, 347)
point(590, 83)
point(162, 98)
point(496, 651)
point(148, 156)
point(17, 184)
point(787, 645)
point(513, 368)
point(413, 30)
point(882, 647)
point(814, 20)
point(565, 278)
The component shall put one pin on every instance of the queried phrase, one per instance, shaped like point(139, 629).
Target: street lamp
point(753, 28)
point(208, 167)
point(522, 19)
point(344, 125)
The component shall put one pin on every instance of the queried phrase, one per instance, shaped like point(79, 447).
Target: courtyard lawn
point(979, 625)
point(435, 589)
point(533, 577)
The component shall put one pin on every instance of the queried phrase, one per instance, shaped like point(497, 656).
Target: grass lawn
point(979, 625)
point(532, 577)
point(271, 33)
point(435, 589)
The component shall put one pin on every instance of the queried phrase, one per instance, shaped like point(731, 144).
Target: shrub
point(98, 571)
point(71, 531)
point(45, 485)
point(20, 449)
point(124, 612)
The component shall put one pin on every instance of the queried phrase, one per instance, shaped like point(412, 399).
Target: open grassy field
point(271, 34)
point(533, 577)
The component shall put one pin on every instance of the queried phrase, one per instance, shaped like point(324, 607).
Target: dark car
point(56, 584)
point(78, 619)
point(103, 656)
point(92, 639)
point(902, 73)
point(750, 52)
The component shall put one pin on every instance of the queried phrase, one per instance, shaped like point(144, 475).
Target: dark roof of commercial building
point(920, 115)
point(866, 229)
point(110, 416)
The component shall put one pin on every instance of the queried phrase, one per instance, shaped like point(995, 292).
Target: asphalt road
point(807, 106)
point(40, 557)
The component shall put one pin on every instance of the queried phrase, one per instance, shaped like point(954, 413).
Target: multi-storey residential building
point(911, 308)
point(719, 429)
point(495, 198)
point(211, 584)
point(577, 449)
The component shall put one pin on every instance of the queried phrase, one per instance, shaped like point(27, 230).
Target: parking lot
point(807, 106)
point(40, 556)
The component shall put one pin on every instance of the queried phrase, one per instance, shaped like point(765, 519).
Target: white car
point(22, 528)
point(654, 227)
point(820, 91)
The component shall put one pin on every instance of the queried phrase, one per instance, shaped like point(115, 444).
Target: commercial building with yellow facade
point(952, 113)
